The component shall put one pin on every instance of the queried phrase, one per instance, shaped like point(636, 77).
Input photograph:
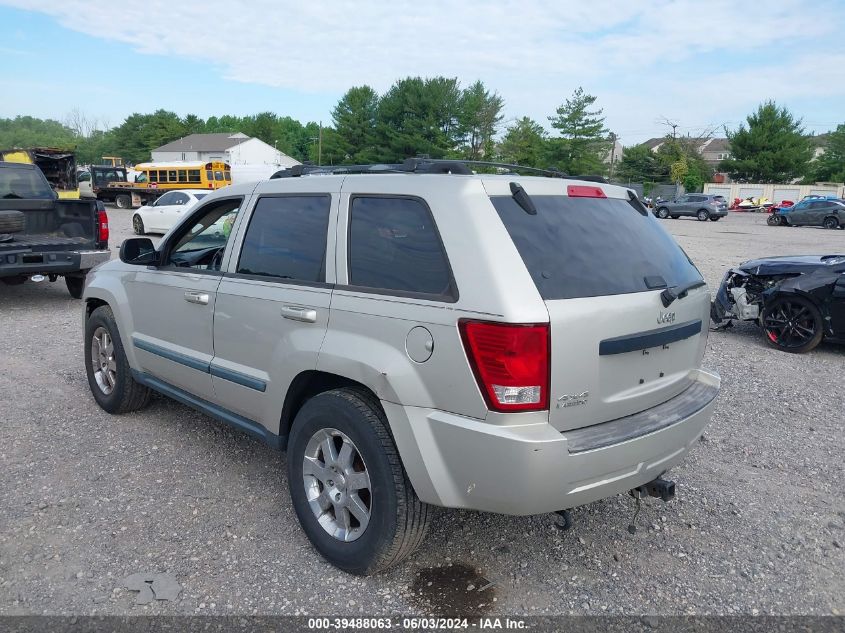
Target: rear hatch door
point(600, 262)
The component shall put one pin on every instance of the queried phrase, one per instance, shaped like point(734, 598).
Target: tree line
point(440, 118)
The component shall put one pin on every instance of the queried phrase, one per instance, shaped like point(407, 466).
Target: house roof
point(653, 143)
point(717, 145)
point(204, 142)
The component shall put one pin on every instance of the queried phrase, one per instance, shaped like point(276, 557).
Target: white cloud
point(534, 53)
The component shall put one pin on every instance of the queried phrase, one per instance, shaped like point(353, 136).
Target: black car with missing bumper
point(796, 300)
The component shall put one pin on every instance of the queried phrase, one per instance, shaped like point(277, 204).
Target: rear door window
point(286, 238)
point(394, 247)
point(590, 247)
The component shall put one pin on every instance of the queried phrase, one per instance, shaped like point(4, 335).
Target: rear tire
point(675, 217)
point(12, 221)
point(663, 213)
point(123, 201)
point(830, 222)
point(715, 218)
point(773, 220)
point(138, 225)
point(792, 324)
point(75, 286)
point(396, 520)
point(703, 215)
point(114, 389)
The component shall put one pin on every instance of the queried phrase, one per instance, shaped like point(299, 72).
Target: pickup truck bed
point(59, 238)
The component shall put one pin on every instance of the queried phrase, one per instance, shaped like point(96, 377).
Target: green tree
point(479, 115)
point(582, 143)
point(771, 149)
point(27, 131)
point(639, 164)
point(830, 166)
point(683, 153)
point(353, 138)
point(524, 143)
point(418, 116)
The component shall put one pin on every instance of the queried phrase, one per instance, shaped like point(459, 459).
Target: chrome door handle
point(297, 313)
point(196, 297)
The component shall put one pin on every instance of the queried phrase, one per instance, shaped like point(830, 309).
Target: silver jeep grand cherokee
point(417, 335)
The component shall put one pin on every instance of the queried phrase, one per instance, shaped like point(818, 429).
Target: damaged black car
point(796, 300)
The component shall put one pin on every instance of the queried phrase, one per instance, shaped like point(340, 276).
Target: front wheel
point(703, 215)
point(663, 213)
point(137, 224)
point(773, 220)
point(830, 223)
point(792, 324)
point(109, 374)
point(351, 494)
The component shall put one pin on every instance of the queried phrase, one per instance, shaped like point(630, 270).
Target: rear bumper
point(26, 262)
point(461, 462)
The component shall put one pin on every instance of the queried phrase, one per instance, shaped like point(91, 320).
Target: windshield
point(590, 247)
point(25, 184)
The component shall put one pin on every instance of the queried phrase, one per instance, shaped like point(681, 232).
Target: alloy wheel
point(103, 362)
point(337, 484)
point(790, 325)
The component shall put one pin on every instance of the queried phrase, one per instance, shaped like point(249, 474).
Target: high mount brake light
point(584, 191)
point(510, 362)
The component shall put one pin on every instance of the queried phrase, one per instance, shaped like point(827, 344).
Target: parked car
point(699, 205)
point(164, 212)
point(796, 300)
point(815, 211)
point(418, 335)
point(42, 236)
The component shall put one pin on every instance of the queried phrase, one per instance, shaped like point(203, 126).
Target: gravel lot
point(87, 499)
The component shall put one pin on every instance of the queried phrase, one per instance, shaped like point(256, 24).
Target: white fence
point(775, 193)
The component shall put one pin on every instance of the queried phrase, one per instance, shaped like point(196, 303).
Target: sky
point(700, 65)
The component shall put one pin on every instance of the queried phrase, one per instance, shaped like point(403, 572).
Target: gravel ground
point(87, 499)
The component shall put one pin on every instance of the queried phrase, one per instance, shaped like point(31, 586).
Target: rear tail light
point(510, 362)
point(102, 225)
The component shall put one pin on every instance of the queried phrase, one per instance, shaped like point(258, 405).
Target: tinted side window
point(286, 238)
point(394, 245)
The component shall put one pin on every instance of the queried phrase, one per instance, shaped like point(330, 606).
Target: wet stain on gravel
point(453, 590)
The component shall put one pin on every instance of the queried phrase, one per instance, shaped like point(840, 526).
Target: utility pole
point(320, 146)
point(612, 136)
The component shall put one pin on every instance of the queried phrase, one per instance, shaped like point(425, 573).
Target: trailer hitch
point(663, 489)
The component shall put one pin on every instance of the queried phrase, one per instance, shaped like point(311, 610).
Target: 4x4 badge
point(573, 400)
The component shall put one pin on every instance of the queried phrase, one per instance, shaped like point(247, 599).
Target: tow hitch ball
point(660, 488)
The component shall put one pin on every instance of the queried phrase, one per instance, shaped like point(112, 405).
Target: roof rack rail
point(593, 178)
point(419, 165)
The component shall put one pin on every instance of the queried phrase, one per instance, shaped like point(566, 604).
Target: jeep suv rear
point(417, 335)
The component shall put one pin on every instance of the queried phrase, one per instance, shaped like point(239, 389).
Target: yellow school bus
point(184, 175)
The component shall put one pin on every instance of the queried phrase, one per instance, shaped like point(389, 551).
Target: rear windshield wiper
point(678, 292)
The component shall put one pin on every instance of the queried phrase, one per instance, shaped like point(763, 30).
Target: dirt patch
point(456, 589)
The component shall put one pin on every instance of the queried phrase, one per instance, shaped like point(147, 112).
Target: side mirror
point(139, 251)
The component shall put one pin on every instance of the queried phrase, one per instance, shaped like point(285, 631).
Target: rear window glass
point(394, 246)
point(590, 247)
point(23, 183)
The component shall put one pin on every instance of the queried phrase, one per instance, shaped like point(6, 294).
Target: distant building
point(712, 150)
point(233, 148)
